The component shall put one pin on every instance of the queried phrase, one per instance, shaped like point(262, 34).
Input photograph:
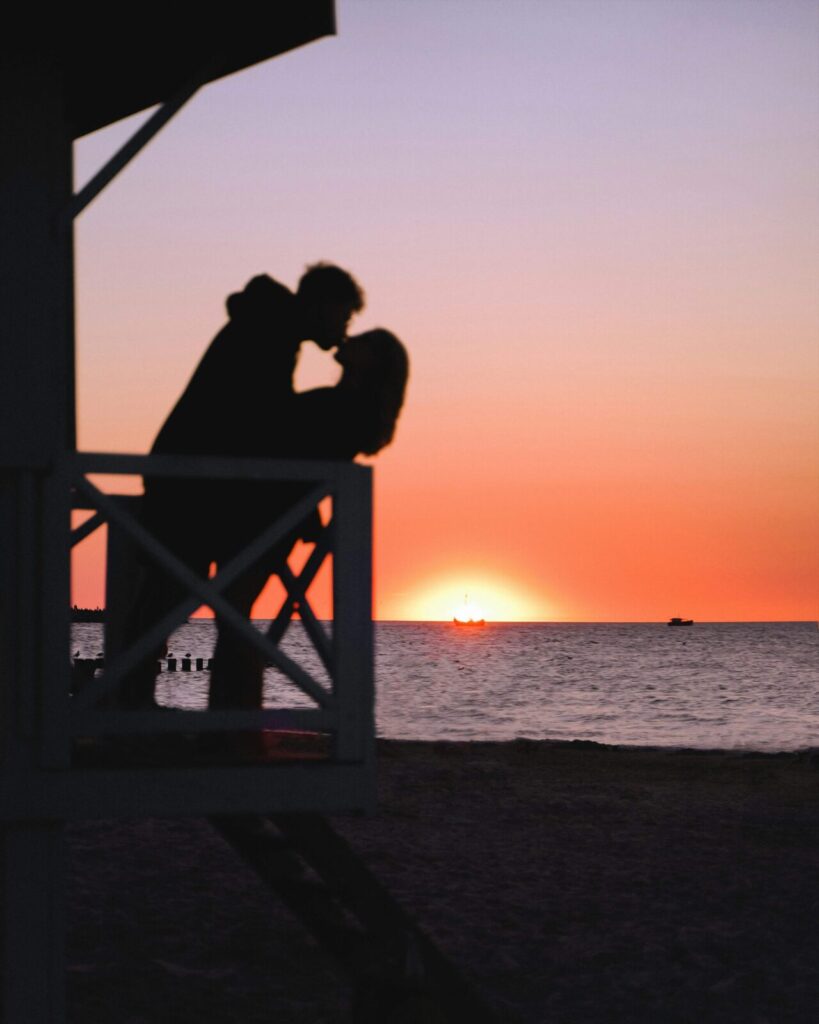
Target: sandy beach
point(571, 882)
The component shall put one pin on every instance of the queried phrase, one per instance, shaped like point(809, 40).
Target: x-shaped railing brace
point(209, 592)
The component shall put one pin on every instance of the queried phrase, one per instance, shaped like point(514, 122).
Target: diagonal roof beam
point(126, 153)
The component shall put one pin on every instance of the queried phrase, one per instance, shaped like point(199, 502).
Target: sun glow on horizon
point(475, 596)
point(468, 611)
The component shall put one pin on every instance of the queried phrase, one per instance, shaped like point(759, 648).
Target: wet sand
point(571, 882)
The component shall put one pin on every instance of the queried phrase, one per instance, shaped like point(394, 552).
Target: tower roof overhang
point(151, 58)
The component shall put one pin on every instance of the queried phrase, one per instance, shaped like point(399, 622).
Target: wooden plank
point(36, 428)
point(296, 587)
point(215, 468)
point(352, 620)
point(121, 576)
point(130, 149)
point(87, 528)
point(131, 723)
point(53, 624)
point(36, 357)
point(421, 965)
point(180, 792)
point(263, 848)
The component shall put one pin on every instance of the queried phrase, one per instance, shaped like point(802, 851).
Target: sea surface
point(751, 686)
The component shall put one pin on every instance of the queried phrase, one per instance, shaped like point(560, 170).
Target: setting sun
point(468, 612)
point(465, 596)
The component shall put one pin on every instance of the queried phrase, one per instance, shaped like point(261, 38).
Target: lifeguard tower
point(55, 88)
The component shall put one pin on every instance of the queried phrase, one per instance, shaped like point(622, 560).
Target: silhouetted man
point(228, 408)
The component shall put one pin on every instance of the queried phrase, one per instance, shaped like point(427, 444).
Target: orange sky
point(596, 228)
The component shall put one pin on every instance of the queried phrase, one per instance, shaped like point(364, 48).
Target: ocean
point(738, 686)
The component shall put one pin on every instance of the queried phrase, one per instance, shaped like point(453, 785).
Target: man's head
point(328, 297)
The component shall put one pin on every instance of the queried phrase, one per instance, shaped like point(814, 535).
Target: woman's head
point(376, 367)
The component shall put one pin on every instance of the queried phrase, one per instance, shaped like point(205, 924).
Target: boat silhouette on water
point(467, 615)
point(680, 622)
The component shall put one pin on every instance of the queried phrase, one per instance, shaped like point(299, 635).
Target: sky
point(595, 225)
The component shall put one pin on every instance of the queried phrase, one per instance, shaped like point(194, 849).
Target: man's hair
point(325, 283)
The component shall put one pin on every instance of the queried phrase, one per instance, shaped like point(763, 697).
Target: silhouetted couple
point(240, 402)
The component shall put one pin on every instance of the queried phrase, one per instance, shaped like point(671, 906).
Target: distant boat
point(680, 622)
point(467, 618)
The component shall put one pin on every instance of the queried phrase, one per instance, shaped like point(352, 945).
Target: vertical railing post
point(54, 626)
point(352, 613)
point(34, 688)
point(121, 569)
point(36, 432)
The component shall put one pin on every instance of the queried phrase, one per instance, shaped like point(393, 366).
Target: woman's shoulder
point(327, 422)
